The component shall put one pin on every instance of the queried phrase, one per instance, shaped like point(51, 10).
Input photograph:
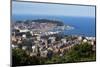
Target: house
point(24, 30)
point(14, 46)
point(52, 39)
point(63, 40)
point(24, 35)
point(85, 40)
point(80, 38)
point(24, 47)
point(43, 53)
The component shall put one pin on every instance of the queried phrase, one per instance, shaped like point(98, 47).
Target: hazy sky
point(28, 8)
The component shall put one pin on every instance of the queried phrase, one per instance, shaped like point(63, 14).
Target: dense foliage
point(78, 53)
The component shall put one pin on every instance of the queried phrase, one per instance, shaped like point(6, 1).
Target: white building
point(90, 38)
point(80, 38)
point(63, 40)
point(38, 37)
point(24, 47)
point(24, 35)
point(85, 40)
point(24, 30)
point(31, 33)
point(52, 39)
point(14, 46)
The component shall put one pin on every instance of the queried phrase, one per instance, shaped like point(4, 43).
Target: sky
point(30, 8)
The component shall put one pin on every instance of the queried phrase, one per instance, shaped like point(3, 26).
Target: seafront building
point(36, 40)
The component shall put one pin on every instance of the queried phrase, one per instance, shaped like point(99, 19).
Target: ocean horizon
point(84, 26)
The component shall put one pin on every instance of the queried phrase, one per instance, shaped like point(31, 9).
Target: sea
point(83, 26)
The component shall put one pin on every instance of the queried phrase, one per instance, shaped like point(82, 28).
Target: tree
point(81, 52)
point(19, 57)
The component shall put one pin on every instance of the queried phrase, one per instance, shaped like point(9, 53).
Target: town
point(36, 40)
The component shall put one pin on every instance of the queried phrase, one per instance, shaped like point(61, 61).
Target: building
point(63, 40)
point(80, 38)
point(52, 39)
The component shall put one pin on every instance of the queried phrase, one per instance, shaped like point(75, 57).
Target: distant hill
point(59, 23)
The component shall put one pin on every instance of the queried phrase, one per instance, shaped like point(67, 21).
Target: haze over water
point(82, 18)
point(82, 25)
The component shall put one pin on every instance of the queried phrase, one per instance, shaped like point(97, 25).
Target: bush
point(82, 52)
point(77, 53)
point(19, 57)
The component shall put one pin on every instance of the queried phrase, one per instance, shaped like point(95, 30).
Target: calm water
point(83, 25)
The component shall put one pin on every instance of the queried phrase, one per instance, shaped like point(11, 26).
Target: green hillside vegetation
point(78, 53)
point(59, 23)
